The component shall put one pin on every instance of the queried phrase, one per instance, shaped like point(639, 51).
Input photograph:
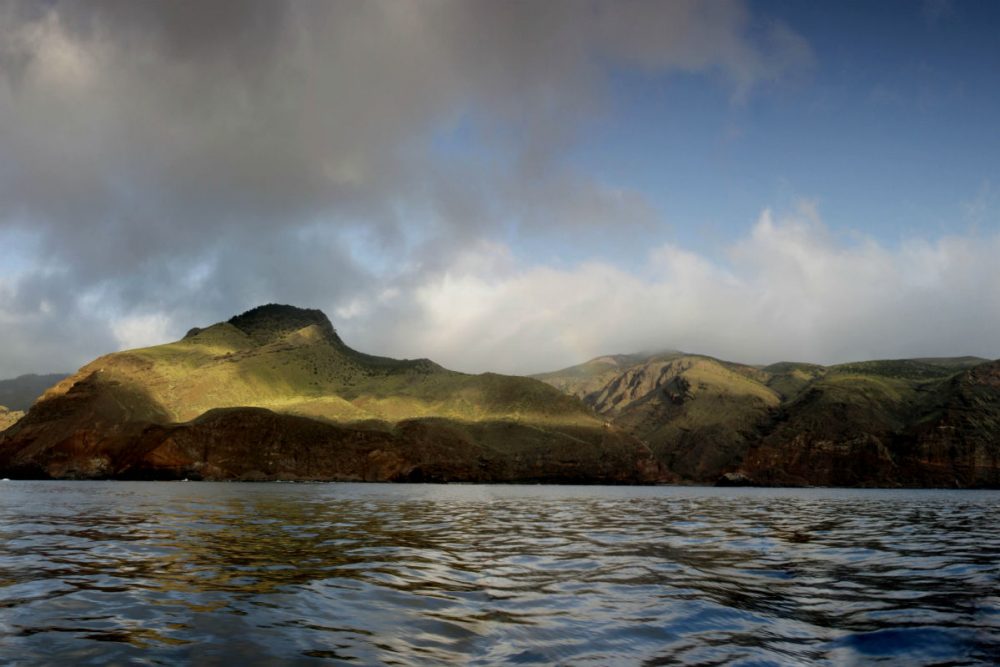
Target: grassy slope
point(310, 372)
point(871, 398)
point(849, 404)
point(790, 378)
point(8, 417)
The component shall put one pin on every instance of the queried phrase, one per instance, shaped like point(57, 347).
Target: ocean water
point(108, 573)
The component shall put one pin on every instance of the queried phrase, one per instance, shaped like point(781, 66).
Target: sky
point(503, 186)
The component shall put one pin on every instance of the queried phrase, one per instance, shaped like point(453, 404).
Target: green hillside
point(290, 362)
point(8, 417)
point(293, 362)
point(799, 423)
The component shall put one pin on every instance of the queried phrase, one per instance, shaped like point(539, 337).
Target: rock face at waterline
point(275, 394)
point(909, 422)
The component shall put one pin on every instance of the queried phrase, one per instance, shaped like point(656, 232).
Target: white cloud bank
point(789, 290)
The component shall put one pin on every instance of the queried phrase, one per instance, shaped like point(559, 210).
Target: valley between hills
point(275, 394)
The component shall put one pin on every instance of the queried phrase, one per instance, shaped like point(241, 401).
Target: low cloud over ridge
point(788, 290)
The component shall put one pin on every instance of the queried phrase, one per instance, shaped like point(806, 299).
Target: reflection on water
point(161, 573)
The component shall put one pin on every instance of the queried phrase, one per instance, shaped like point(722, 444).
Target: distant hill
point(275, 393)
point(903, 422)
point(20, 392)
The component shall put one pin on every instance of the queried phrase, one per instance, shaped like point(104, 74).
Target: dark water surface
point(245, 574)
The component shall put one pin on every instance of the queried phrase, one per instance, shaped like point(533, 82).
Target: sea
point(238, 574)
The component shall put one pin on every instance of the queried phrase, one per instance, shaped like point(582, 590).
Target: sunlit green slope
point(279, 385)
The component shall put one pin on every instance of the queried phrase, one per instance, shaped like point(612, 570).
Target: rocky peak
point(271, 322)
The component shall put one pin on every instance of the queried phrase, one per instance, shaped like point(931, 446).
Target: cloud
point(187, 160)
point(788, 290)
point(141, 330)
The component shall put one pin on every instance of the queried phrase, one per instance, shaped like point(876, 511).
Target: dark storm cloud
point(190, 159)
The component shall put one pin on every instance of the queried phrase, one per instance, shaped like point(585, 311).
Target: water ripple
point(161, 573)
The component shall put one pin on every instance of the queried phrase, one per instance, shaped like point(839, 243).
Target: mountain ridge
point(275, 393)
point(874, 423)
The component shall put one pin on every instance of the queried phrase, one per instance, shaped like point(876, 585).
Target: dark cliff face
point(257, 444)
point(962, 439)
point(269, 323)
point(280, 396)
